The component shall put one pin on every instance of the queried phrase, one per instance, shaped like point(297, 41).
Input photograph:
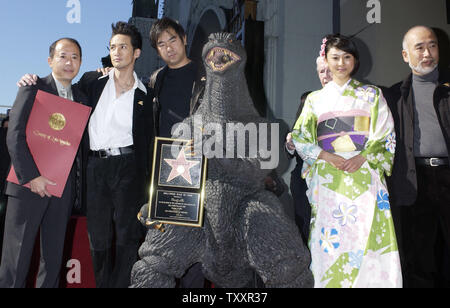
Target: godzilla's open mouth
point(219, 59)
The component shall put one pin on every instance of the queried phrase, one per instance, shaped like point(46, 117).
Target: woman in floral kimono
point(345, 135)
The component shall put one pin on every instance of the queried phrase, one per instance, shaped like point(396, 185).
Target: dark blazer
point(93, 83)
point(403, 182)
point(4, 160)
point(21, 157)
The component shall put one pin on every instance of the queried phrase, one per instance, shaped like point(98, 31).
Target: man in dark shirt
point(173, 87)
point(173, 84)
point(175, 104)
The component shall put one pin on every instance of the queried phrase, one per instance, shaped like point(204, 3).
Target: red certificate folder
point(53, 133)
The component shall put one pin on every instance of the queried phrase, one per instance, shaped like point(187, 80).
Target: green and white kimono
point(352, 238)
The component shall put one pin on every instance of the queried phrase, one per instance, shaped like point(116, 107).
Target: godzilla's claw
point(144, 219)
point(143, 214)
point(155, 225)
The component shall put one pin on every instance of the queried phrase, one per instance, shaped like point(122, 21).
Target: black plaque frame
point(177, 202)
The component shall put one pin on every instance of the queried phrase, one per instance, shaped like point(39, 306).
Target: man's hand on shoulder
point(27, 80)
point(104, 70)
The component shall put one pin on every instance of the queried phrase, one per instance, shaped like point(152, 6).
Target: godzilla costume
point(245, 227)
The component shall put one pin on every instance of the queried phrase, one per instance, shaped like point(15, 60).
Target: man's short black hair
point(130, 30)
point(162, 25)
point(343, 43)
point(52, 48)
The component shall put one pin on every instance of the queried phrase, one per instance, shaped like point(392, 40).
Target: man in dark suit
point(32, 209)
point(118, 168)
point(118, 147)
point(4, 168)
point(420, 183)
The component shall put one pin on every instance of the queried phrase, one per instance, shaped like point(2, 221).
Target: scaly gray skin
point(245, 227)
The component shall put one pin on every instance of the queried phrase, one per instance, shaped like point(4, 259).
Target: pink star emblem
point(181, 167)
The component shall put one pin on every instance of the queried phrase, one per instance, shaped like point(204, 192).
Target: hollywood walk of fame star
point(181, 167)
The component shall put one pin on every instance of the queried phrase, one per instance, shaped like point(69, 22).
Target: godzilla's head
point(223, 53)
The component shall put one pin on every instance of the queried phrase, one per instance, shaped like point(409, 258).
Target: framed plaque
point(177, 190)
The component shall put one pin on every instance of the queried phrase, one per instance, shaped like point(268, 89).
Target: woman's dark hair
point(345, 44)
point(52, 48)
point(128, 29)
point(162, 25)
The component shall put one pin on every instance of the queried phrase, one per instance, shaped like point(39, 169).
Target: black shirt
point(175, 96)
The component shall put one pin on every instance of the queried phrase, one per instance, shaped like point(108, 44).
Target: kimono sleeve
point(380, 147)
point(304, 134)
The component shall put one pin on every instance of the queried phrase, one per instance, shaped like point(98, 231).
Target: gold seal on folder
point(57, 121)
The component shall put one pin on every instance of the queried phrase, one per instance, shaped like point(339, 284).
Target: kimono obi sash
point(343, 131)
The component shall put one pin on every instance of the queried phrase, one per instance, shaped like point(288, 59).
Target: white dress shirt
point(111, 124)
